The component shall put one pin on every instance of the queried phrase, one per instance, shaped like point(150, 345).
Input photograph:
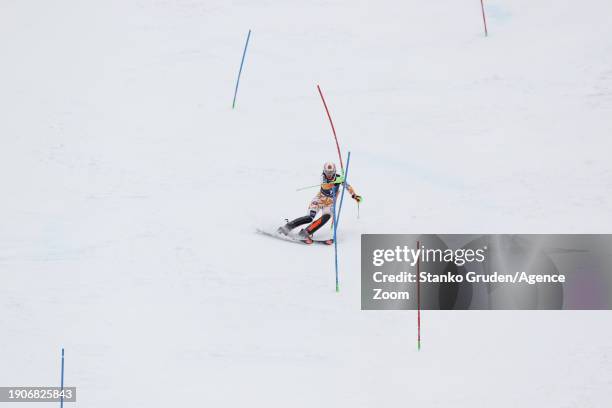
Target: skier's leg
point(297, 222)
point(319, 222)
point(313, 208)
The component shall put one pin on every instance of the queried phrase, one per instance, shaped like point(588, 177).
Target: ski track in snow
point(131, 191)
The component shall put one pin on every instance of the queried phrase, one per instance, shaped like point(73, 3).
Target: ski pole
point(316, 185)
point(306, 188)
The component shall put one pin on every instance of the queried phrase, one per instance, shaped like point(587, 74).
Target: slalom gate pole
point(418, 301)
point(335, 244)
point(62, 382)
point(484, 18)
point(240, 71)
point(337, 218)
point(332, 126)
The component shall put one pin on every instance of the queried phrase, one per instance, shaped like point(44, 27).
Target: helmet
point(329, 170)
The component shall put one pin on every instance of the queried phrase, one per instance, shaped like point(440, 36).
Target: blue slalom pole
point(337, 217)
point(62, 382)
point(343, 188)
point(240, 71)
point(335, 243)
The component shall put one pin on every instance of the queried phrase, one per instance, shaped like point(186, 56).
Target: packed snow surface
point(131, 192)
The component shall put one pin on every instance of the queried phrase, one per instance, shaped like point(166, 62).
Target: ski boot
point(283, 230)
point(306, 234)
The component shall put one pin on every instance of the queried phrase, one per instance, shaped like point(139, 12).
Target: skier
point(323, 201)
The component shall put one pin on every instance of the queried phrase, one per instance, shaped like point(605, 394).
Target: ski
point(290, 238)
point(324, 241)
point(329, 241)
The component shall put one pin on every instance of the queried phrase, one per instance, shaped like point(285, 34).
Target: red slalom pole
point(418, 300)
point(484, 18)
point(333, 128)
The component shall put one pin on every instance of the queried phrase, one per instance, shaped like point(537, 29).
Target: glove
point(339, 179)
point(357, 198)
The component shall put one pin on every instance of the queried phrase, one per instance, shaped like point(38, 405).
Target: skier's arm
point(328, 185)
point(354, 194)
point(341, 180)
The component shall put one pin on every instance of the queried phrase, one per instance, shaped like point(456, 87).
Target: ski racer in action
point(323, 201)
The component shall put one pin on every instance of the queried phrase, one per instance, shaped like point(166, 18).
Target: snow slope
point(131, 191)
